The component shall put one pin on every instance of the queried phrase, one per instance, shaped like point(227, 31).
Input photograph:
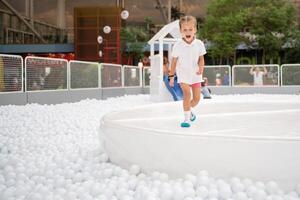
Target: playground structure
point(158, 90)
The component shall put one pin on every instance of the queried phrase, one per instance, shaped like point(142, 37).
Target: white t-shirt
point(187, 62)
point(258, 78)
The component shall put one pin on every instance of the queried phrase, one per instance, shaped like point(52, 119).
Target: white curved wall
point(254, 140)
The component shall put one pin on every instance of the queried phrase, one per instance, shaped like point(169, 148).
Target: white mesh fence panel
point(46, 74)
point(11, 70)
point(146, 76)
point(132, 76)
point(255, 75)
point(111, 75)
point(84, 75)
point(290, 75)
point(217, 75)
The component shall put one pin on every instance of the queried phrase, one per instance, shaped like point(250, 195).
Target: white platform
point(257, 140)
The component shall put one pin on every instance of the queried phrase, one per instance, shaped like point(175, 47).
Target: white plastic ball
point(103, 157)
point(240, 196)
point(260, 195)
point(189, 192)
point(121, 192)
point(293, 194)
point(155, 175)
point(192, 178)
point(188, 184)
point(124, 14)
point(21, 191)
point(234, 180)
point(247, 182)
point(178, 193)
point(202, 192)
point(96, 189)
point(164, 177)
point(2, 179)
point(102, 197)
point(213, 193)
point(166, 194)
point(237, 187)
point(225, 192)
point(134, 169)
point(272, 187)
point(275, 197)
point(203, 180)
point(107, 173)
point(260, 185)
point(106, 29)
point(297, 189)
point(8, 193)
point(70, 196)
point(251, 191)
point(99, 39)
point(202, 173)
point(36, 196)
point(132, 183)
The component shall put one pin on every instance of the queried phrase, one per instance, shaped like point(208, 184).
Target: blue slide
point(175, 91)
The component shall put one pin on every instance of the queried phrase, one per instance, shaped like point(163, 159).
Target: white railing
point(146, 76)
point(11, 71)
point(132, 76)
point(51, 74)
point(111, 75)
point(290, 75)
point(46, 74)
point(265, 76)
point(217, 75)
point(84, 75)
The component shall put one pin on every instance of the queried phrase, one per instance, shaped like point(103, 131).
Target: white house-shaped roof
point(171, 28)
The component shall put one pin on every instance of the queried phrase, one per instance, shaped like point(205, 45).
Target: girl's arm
point(201, 64)
point(173, 66)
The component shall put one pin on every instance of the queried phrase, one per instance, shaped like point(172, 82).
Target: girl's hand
point(171, 83)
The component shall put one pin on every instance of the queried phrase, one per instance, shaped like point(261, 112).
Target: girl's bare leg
point(196, 96)
point(186, 96)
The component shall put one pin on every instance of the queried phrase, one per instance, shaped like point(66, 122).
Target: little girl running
point(188, 62)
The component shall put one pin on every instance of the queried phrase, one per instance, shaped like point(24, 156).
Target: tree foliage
point(261, 24)
point(133, 40)
point(293, 48)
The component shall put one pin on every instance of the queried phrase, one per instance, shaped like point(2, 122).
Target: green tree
point(293, 48)
point(222, 27)
point(261, 24)
point(175, 13)
point(148, 22)
point(133, 41)
point(270, 21)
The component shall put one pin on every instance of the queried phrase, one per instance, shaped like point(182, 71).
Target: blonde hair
point(186, 19)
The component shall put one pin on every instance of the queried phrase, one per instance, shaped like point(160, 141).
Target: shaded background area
point(45, 10)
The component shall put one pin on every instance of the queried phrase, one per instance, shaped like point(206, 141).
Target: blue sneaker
point(185, 124)
point(193, 117)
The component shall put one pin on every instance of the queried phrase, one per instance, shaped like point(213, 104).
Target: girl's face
point(188, 31)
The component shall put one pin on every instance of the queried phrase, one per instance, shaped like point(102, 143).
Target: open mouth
point(188, 36)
